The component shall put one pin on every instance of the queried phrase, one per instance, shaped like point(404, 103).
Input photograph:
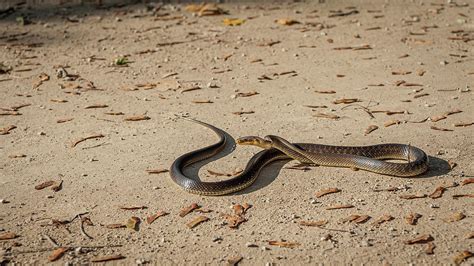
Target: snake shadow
point(437, 167)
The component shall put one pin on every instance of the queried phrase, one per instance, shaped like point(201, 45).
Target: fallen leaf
point(10, 113)
point(133, 223)
point(157, 171)
point(370, 129)
point(233, 221)
point(329, 116)
point(327, 191)
point(8, 235)
point(284, 244)
point(233, 21)
point(108, 258)
point(133, 208)
point(430, 248)
point(96, 106)
point(462, 256)
point(86, 138)
point(137, 118)
point(57, 254)
point(189, 209)
point(384, 218)
point(150, 219)
point(313, 223)
point(287, 21)
point(457, 216)
point(420, 240)
point(45, 185)
point(340, 206)
point(438, 192)
point(467, 181)
point(169, 75)
point(412, 218)
point(345, 101)
point(413, 196)
point(197, 220)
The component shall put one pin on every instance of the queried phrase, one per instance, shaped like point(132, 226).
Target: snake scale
point(369, 158)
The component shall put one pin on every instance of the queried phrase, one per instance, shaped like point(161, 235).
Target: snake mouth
point(254, 141)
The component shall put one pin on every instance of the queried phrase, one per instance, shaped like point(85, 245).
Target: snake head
point(255, 141)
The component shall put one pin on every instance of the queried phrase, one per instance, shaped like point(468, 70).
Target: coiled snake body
point(369, 158)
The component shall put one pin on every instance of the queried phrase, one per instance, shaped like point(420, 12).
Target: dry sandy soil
point(408, 64)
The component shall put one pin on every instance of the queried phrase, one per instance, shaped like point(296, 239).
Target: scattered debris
point(327, 191)
point(197, 220)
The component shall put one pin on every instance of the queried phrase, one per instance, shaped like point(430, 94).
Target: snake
point(370, 158)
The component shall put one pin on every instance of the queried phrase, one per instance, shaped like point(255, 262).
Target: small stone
point(83, 174)
point(49, 196)
point(264, 248)
point(434, 206)
point(365, 243)
point(443, 63)
point(217, 239)
point(41, 133)
point(251, 245)
point(4, 201)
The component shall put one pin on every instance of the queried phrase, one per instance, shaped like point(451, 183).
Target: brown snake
point(369, 158)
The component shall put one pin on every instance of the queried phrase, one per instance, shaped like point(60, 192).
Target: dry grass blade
point(197, 220)
point(114, 113)
point(94, 106)
point(6, 130)
point(202, 101)
point(191, 89)
point(440, 129)
point(326, 191)
point(157, 171)
point(96, 136)
point(370, 129)
point(108, 258)
point(401, 72)
point(325, 91)
point(392, 122)
point(246, 94)
point(64, 120)
point(313, 223)
point(284, 244)
point(115, 226)
point(243, 112)
point(133, 208)
point(340, 206)
point(437, 118)
point(346, 101)
point(137, 118)
point(463, 124)
point(328, 116)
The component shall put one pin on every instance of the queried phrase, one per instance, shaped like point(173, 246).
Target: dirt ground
point(120, 75)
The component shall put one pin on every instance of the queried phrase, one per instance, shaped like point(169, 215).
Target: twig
point(51, 240)
point(83, 232)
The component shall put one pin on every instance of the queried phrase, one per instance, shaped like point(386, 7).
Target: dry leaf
point(420, 240)
point(370, 129)
point(313, 223)
point(438, 192)
point(467, 181)
point(327, 191)
point(383, 219)
point(197, 220)
point(413, 196)
point(133, 223)
point(287, 21)
point(57, 254)
point(440, 129)
point(340, 206)
point(189, 209)
point(412, 218)
point(133, 208)
point(457, 216)
point(86, 138)
point(345, 101)
point(96, 106)
point(8, 235)
point(108, 258)
point(462, 256)
point(284, 244)
point(233, 21)
point(45, 185)
point(157, 171)
point(430, 248)
point(150, 219)
point(137, 118)
point(329, 116)
point(234, 220)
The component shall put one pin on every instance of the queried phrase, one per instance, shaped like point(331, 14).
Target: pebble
point(41, 133)
point(251, 245)
point(4, 201)
point(443, 63)
point(264, 248)
point(434, 206)
point(365, 243)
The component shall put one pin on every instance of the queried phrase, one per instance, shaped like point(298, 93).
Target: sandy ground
point(408, 64)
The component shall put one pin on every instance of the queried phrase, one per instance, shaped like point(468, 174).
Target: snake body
point(369, 158)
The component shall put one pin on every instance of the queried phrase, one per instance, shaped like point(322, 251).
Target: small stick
point(83, 232)
point(51, 240)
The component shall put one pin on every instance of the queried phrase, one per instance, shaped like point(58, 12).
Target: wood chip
point(137, 118)
point(284, 244)
point(8, 235)
point(133, 223)
point(430, 248)
point(457, 216)
point(323, 192)
point(96, 136)
point(187, 210)
point(57, 254)
point(438, 193)
point(150, 219)
point(325, 91)
point(340, 206)
point(412, 218)
point(440, 129)
point(467, 181)
point(462, 256)
point(328, 116)
point(197, 220)
point(413, 196)
point(157, 171)
point(370, 129)
point(420, 240)
point(94, 106)
point(313, 223)
point(108, 258)
point(133, 208)
point(346, 101)
point(45, 184)
point(384, 218)
point(6, 130)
